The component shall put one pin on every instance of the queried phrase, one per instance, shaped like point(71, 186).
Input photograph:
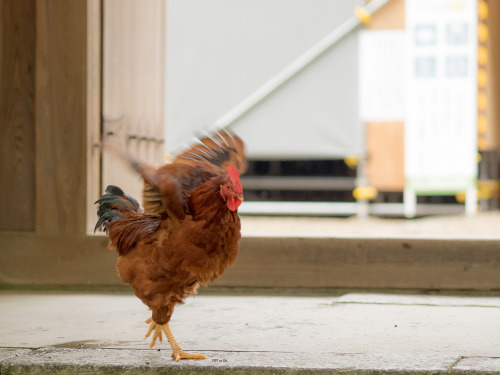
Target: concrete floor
point(102, 333)
point(484, 224)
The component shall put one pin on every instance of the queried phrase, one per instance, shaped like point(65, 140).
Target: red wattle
point(233, 203)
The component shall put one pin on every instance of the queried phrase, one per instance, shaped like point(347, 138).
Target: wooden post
point(133, 87)
point(67, 61)
point(17, 115)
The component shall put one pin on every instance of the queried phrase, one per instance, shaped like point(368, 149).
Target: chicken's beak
point(240, 197)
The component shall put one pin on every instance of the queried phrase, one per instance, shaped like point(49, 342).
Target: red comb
point(232, 171)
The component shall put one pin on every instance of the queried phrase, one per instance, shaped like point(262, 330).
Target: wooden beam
point(381, 263)
point(56, 260)
point(292, 262)
point(64, 80)
point(17, 113)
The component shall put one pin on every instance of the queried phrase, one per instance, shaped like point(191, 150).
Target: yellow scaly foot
point(177, 352)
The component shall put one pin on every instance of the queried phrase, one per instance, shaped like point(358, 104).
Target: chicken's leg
point(177, 352)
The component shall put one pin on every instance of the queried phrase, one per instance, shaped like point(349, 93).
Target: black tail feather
point(112, 205)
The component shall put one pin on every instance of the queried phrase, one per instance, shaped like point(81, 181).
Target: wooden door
point(133, 87)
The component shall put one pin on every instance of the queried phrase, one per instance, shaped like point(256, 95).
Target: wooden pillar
point(133, 87)
point(17, 115)
point(67, 97)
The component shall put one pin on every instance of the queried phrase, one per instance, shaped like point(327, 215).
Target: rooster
point(187, 233)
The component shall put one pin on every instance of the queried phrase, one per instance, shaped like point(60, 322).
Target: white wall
point(221, 51)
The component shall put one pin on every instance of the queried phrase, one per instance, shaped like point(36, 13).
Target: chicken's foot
point(177, 352)
point(157, 332)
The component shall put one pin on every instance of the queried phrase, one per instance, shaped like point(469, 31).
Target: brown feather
point(223, 149)
point(152, 200)
point(128, 231)
point(191, 168)
point(168, 267)
point(187, 235)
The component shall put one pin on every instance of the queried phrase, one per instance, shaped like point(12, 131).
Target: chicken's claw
point(180, 354)
point(177, 352)
point(157, 332)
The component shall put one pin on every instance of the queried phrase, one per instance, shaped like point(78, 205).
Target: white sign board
point(441, 99)
point(382, 75)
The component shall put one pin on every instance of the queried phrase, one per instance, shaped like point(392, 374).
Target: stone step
point(129, 361)
point(365, 333)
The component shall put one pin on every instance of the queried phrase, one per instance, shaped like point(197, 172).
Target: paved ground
point(485, 224)
point(365, 333)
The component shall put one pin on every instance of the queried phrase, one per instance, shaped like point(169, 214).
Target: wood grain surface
point(17, 112)
point(274, 262)
point(61, 116)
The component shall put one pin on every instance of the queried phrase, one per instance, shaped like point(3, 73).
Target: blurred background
point(347, 107)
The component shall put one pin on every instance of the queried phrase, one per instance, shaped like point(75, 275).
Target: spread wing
point(221, 149)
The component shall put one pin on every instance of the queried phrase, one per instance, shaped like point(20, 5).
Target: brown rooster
point(187, 233)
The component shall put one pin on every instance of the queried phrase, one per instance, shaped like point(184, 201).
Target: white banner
point(441, 96)
point(382, 60)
